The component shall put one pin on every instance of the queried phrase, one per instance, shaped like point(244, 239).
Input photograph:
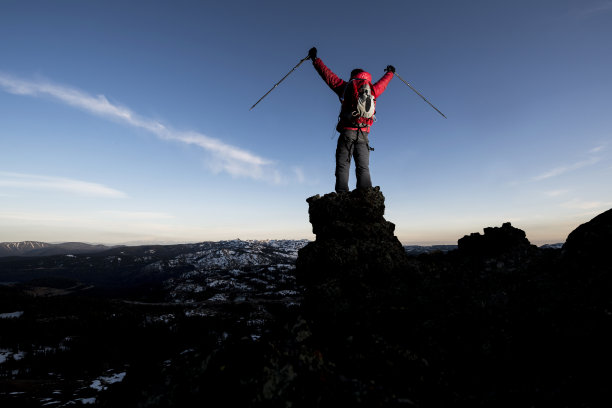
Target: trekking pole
point(299, 63)
point(418, 93)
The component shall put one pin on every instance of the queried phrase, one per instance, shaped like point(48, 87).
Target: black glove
point(390, 68)
point(312, 53)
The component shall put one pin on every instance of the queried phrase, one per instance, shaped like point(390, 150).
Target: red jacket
point(338, 85)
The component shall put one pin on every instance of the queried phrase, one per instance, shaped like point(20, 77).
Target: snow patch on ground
point(12, 315)
point(219, 297)
point(102, 383)
point(6, 354)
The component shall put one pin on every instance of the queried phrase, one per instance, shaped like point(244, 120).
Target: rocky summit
point(355, 265)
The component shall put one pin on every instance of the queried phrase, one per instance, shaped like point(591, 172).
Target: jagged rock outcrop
point(495, 241)
point(356, 267)
point(589, 245)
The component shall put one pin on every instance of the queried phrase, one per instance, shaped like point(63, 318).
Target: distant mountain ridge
point(129, 266)
point(36, 248)
point(22, 246)
point(425, 249)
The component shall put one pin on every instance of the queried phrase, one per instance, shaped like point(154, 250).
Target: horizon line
point(171, 242)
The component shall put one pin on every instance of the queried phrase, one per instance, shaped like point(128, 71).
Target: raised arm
point(380, 86)
point(332, 80)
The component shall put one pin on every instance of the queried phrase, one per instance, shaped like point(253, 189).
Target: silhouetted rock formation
point(353, 270)
point(495, 241)
point(485, 325)
point(589, 244)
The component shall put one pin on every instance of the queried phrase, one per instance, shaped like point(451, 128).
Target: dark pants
point(352, 143)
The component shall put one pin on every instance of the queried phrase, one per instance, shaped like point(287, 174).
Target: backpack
point(358, 103)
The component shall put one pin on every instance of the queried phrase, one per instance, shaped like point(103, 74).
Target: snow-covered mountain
point(36, 248)
point(20, 248)
point(129, 266)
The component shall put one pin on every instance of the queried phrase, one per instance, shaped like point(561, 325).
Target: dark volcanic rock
point(495, 240)
point(358, 214)
point(590, 243)
point(353, 270)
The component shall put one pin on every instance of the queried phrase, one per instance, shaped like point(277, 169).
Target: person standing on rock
point(358, 98)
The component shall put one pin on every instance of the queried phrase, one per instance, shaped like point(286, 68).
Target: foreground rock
point(588, 246)
point(356, 268)
point(496, 323)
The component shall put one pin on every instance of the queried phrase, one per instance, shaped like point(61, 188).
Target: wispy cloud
point(557, 171)
point(556, 193)
point(38, 182)
point(37, 217)
point(137, 215)
point(223, 157)
point(299, 174)
point(579, 204)
point(602, 7)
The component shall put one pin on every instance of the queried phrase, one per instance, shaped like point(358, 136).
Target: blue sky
point(125, 122)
